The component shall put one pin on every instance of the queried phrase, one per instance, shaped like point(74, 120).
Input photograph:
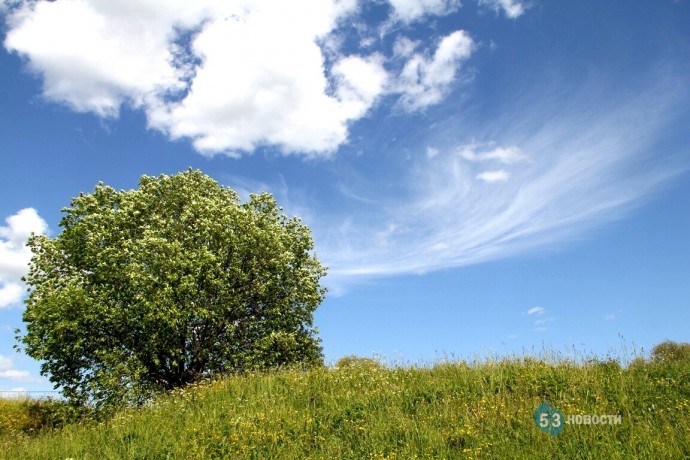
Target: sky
point(482, 177)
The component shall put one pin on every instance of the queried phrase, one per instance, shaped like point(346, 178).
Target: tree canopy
point(154, 288)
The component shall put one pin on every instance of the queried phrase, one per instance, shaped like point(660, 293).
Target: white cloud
point(431, 152)
point(424, 81)
point(404, 47)
point(14, 374)
point(5, 363)
point(10, 293)
point(411, 10)
point(7, 5)
point(541, 322)
point(270, 90)
point(511, 8)
point(361, 80)
point(536, 311)
point(500, 175)
point(506, 155)
point(96, 55)
point(7, 371)
point(14, 255)
point(21, 225)
point(229, 76)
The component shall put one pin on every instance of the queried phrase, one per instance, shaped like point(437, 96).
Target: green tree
point(154, 288)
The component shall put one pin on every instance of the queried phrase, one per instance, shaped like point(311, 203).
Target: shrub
point(357, 362)
point(32, 416)
point(671, 352)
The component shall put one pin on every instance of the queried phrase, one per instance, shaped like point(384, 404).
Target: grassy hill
point(362, 410)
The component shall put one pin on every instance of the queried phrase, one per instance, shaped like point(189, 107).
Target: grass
point(365, 411)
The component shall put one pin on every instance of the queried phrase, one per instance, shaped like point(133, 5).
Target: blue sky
point(481, 177)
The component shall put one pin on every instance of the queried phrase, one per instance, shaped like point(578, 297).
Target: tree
point(154, 288)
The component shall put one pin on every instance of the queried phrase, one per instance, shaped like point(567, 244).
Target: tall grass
point(363, 410)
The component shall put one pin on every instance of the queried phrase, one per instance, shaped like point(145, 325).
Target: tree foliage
point(154, 288)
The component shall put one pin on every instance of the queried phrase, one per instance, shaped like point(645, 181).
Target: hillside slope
point(360, 411)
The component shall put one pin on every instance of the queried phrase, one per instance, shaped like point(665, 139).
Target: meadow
point(364, 410)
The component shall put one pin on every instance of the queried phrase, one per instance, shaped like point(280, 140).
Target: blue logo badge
point(549, 419)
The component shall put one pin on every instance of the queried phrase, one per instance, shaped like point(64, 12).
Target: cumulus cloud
point(404, 47)
point(361, 80)
point(14, 374)
point(94, 56)
point(411, 10)
point(10, 293)
point(425, 80)
point(8, 372)
point(14, 255)
point(229, 76)
point(511, 8)
point(261, 81)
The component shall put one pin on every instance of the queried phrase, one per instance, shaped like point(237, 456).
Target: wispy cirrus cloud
point(560, 170)
point(536, 311)
point(500, 175)
point(508, 155)
point(540, 319)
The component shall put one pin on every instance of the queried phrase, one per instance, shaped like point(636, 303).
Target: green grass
point(364, 411)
